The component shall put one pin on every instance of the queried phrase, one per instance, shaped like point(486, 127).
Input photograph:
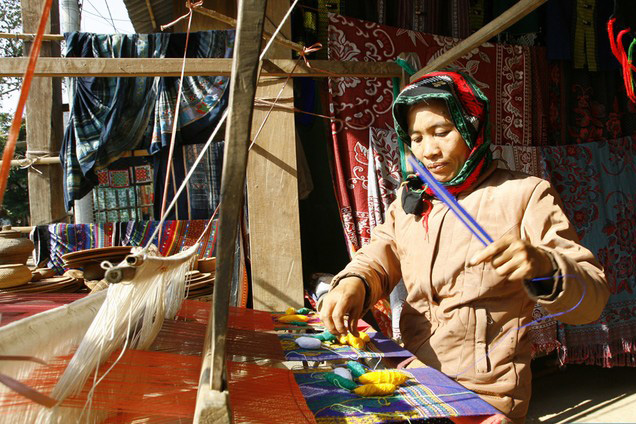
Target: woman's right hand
point(342, 307)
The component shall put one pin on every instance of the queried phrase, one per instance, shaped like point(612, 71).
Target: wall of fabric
point(112, 115)
point(548, 119)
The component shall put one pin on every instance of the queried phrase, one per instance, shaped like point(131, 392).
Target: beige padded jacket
point(456, 314)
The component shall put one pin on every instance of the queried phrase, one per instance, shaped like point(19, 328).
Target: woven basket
point(14, 275)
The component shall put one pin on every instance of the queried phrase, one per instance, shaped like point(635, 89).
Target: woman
point(466, 304)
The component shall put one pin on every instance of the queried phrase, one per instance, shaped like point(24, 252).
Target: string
point(175, 122)
point(536, 321)
point(210, 139)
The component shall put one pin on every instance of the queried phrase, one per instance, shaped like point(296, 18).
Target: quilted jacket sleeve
point(377, 263)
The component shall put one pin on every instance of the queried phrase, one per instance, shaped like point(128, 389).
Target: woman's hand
point(342, 306)
point(515, 259)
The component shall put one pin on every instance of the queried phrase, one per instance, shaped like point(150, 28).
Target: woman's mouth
point(436, 167)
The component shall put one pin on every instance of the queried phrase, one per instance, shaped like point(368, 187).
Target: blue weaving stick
point(450, 201)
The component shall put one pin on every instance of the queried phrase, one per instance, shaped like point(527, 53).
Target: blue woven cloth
point(110, 116)
point(427, 394)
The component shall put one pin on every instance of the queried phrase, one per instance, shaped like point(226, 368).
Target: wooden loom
point(212, 399)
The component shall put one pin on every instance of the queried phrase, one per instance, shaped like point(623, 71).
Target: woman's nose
point(430, 148)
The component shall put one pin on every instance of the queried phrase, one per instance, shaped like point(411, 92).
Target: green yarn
point(326, 336)
point(339, 381)
point(356, 369)
point(303, 311)
point(298, 323)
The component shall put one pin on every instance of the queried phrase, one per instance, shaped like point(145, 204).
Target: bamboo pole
point(31, 37)
point(53, 160)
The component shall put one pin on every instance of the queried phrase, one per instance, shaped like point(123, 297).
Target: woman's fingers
point(342, 306)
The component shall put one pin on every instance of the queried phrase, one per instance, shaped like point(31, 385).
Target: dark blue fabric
point(110, 116)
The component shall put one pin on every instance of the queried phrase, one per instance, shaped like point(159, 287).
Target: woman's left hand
point(515, 259)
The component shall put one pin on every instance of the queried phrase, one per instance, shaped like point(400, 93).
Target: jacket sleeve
point(580, 287)
point(377, 263)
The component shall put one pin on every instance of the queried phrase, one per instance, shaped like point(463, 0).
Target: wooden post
point(212, 400)
point(44, 125)
point(272, 192)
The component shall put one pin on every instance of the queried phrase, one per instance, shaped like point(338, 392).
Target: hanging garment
point(112, 115)
point(202, 193)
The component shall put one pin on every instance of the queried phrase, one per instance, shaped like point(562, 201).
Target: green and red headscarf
point(468, 108)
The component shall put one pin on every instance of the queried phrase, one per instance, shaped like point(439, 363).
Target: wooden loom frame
point(212, 401)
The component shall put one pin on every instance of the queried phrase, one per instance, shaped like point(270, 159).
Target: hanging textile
point(526, 159)
point(203, 99)
point(54, 240)
point(587, 106)
point(502, 72)
point(112, 115)
point(66, 238)
point(596, 184)
point(203, 191)
point(108, 115)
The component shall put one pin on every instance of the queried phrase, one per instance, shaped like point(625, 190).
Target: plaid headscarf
point(468, 108)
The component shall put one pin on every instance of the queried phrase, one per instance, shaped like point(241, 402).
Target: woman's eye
point(442, 134)
point(416, 140)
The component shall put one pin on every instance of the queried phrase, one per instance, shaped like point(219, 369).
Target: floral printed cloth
point(596, 184)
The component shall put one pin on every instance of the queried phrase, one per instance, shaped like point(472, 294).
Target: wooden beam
point(102, 67)
point(44, 124)
point(494, 27)
point(272, 193)
point(212, 405)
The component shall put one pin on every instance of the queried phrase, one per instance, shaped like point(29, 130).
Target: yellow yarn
point(290, 311)
point(354, 341)
point(385, 376)
point(365, 337)
point(381, 389)
point(290, 318)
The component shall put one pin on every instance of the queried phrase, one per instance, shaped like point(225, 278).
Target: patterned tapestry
point(596, 184)
point(363, 106)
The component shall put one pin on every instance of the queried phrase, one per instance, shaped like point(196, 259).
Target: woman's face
point(435, 141)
